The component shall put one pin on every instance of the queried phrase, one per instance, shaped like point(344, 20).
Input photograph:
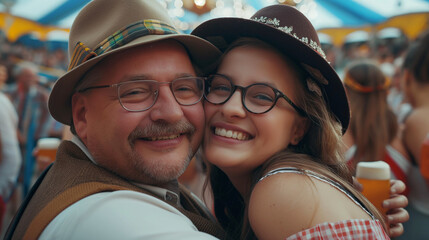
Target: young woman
point(275, 114)
point(374, 132)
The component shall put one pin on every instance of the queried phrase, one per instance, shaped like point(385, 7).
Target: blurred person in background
point(10, 156)
point(356, 46)
point(30, 102)
point(391, 47)
point(390, 44)
point(396, 96)
point(416, 87)
point(374, 131)
point(3, 76)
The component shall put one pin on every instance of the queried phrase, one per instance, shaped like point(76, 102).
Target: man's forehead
point(161, 49)
point(155, 54)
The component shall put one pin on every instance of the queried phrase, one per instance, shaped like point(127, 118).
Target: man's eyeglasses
point(140, 95)
point(256, 98)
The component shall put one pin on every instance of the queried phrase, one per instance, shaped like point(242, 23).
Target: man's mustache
point(162, 128)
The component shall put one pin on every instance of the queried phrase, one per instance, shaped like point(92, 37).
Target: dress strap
point(320, 178)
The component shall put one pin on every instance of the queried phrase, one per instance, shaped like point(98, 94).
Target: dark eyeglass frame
point(278, 94)
point(117, 85)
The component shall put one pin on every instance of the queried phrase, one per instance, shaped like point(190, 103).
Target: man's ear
point(301, 127)
point(79, 108)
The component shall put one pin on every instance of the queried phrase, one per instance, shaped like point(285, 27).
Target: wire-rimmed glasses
point(140, 95)
point(256, 98)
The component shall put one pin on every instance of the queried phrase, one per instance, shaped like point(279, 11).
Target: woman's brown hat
point(287, 29)
point(104, 27)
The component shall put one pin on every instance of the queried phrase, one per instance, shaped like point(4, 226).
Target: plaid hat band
point(82, 53)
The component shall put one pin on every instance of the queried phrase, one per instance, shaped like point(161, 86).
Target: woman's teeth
point(231, 134)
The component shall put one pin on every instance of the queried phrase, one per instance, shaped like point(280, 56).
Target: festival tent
point(336, 18)
point(410, 24)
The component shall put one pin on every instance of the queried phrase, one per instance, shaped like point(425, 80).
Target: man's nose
point(166, 107)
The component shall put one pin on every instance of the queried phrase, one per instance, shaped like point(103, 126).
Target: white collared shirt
point(10, 153)
point(122, 215)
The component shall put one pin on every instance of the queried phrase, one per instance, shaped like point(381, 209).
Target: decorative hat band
point(274, 22)
point(82, 53)
point(366, 89)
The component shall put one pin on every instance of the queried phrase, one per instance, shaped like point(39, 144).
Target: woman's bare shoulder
point(281, 205)
point(284, 204)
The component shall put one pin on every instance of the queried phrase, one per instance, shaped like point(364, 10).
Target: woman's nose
point(234, 106)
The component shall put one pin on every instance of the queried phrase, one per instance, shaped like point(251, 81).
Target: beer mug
point(47, 148)
point(375, 179)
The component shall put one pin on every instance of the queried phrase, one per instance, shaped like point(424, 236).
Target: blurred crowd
point(384, 76)
point(26, 77)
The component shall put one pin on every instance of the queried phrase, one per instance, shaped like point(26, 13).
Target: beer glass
point(375, 178)
point(47, 148)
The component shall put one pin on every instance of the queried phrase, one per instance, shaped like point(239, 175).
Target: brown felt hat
point(105, 27)
point(287, 29)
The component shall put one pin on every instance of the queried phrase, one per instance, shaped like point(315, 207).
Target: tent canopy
point(336, 18)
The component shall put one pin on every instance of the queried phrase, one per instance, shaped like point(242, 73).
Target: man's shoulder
point(122, 214)
point(120, 201)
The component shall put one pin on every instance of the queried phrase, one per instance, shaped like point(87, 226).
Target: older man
point(132, 97)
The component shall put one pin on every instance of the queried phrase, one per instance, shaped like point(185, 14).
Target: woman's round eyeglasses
point(256, 98)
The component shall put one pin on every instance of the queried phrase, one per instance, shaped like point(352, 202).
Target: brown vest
point(74, 177)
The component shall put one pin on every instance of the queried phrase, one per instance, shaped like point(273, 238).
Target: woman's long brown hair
point(373, 124)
